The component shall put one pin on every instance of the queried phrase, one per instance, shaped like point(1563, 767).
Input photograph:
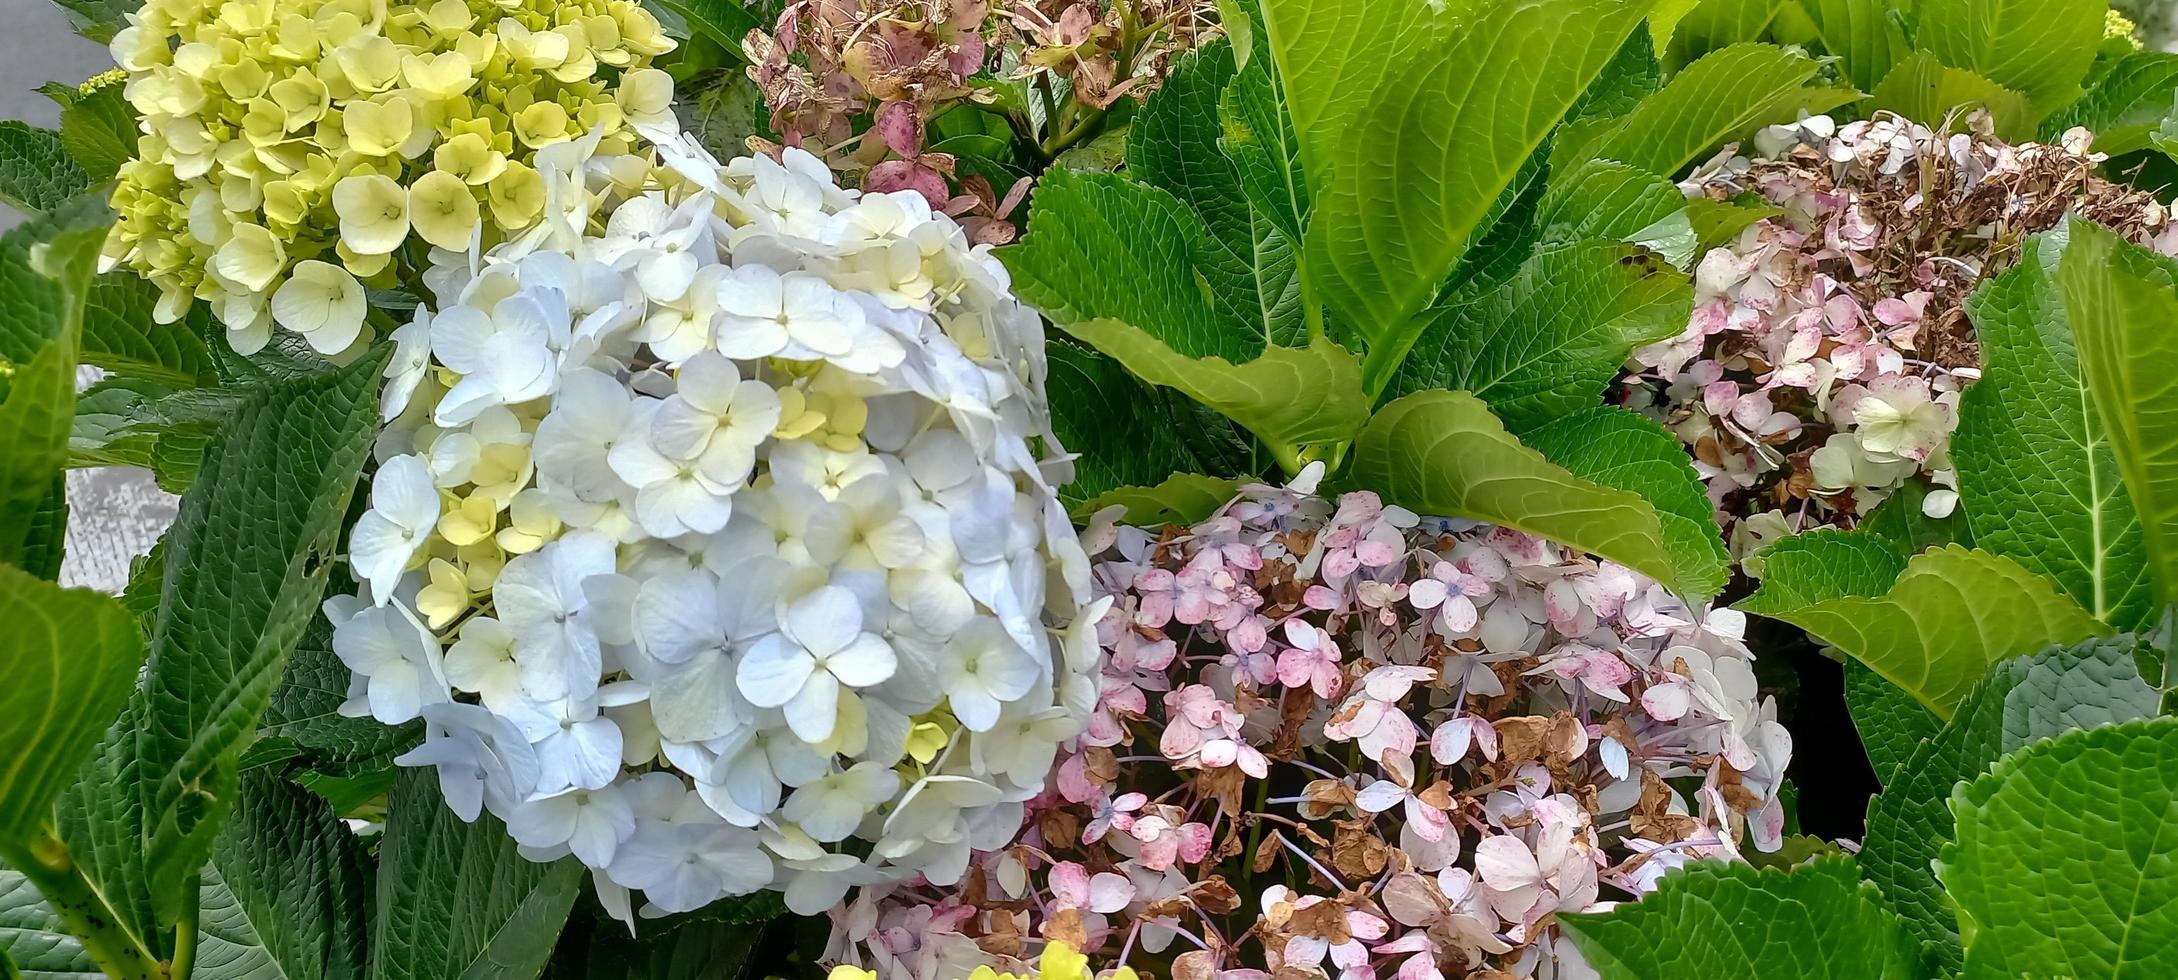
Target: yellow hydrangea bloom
point(336, 140)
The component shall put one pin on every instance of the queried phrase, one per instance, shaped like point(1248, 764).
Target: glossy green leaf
point(1621, 448)
point(45, 273)
point(1612, 201)
point(1890, 722)
point(1443, 453)
point(1867, 35)
point(2034, 457)
point(1547, 343)
point(1726, 95)
point(242, 579)
point(1950, 614)
point(1717, 921)
point(2065, 863)
point(1923, 88)
point(2040, 48)
point(2124, 105)
point(99, 131)
point(455, 901)
point(1825, 564)
point(2120, 301)
point(1293, 396)
point(1449, 100)
point(287, 891)
point(36, 174)
point(71, 659)
point(1713, 24)
point(2020, 701)
point(1182, 498)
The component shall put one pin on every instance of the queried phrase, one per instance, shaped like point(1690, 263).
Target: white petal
point(774, 671)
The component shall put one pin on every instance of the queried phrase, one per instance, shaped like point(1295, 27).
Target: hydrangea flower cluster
point(291, 147)
point(1348, 738)
point(711, 541)
point(1822, 366)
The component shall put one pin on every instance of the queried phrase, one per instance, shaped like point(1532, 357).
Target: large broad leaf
point(1610, 200)
point(1443, 453)
point(1713, 24)
point(33, 939)
point(1922, 87)
point(1624, 449)
point(99, 131)
point(1726, 95)
point(2034, 457)
point(1890, 722)
point(2120, 301)
point(1122, 431)
point(120, 336)
point(36, 174)
point(246, 563)
point(286, 895)
point(1825, 564)
point(2124, 106)
point(1547, 343)
point(1413, 119)
point(2020, 701)
point(1950, 614)
point(455, 901)
point(1117, 262)
point(1902, 521)
point(71, 659)
point(2065, 863)
point(1173, 143)
point(2038, 47)
point(1715, 921)
point(1866, 34)
point(1259, 138)
point(101, 820)
point(45, 272)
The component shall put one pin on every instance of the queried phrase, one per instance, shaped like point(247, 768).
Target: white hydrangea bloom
point(727, 497)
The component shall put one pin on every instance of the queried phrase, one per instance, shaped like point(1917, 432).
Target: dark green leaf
point(1612, 201)
point(1902, 521)
point(1620, 448)
point(36, 174)
point(99, 131)
point(724, 21)
point(286, 894)
point(303, 720)
point(1890, 722)
point(120, 336)
point(1826, 564)
point(1719, 223)
point(32, 937)
point(101, 819)
point(2123, 106)
point(689, 947)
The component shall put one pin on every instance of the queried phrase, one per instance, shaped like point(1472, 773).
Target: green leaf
point(32, 937)
point(1713, 24)
point(120, 336)
point(241, 580)
point(1183, 498)
point(1719, 223)
point(1716, 921)
point(2040, 48)
point(2020, 701)
point(1443, 453)
point(303, 720)
point(1865, 34)
point(99, 131)
point(36, 174)
point(1289, 396)
point(1620, 448)
point(1825, 564)
point(1725, 95)
point(99, 20)
point(1449, 101)
point(1631, 75)
point(688, 947)
point(726, 21)
point(1923, 88)
point(45, 538)
point(101, 819)
point(1122, 431)
point(455, 901)
point(1901, 522)
point(1890, 722)
point(2034, 457)
point(45, 270)
point(286, 892)
point(2064, 863)
point(1258, 137)
point(2124, 106)
point(1610, 200)
point(1547, 343)
point(1950, 614)
point(2120, 300)
point(72, 658)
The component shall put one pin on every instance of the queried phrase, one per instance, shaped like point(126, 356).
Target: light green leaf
point(2124, 106)
point(1866, 34)
point(45, 271)
point(1289, 396)
point(1448, 100)
point(286, 895)
point(1717, 921)
point(36, 174)
point(2065, 864)
point(1719, 223)
point(1265, 151)
point(2041, 48)
point(1724, 96)
point(33, 938)
point(72, 657)
point(1924, 89)
point(1950, 614)
point(455, 901)
point(1713, 24)
point(1825, 564)
point(1548, 342)
point(1621, 448)
point(1443, 453)
point(1610, 200)
point(99, 131)
point(1890, 722)
point(2020, 701)
point(2035, 464)
point(2120, 301)
point(1183, 498)
point(241, 580)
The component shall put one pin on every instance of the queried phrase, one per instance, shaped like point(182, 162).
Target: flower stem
point(110, 945)
point(185, 931)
